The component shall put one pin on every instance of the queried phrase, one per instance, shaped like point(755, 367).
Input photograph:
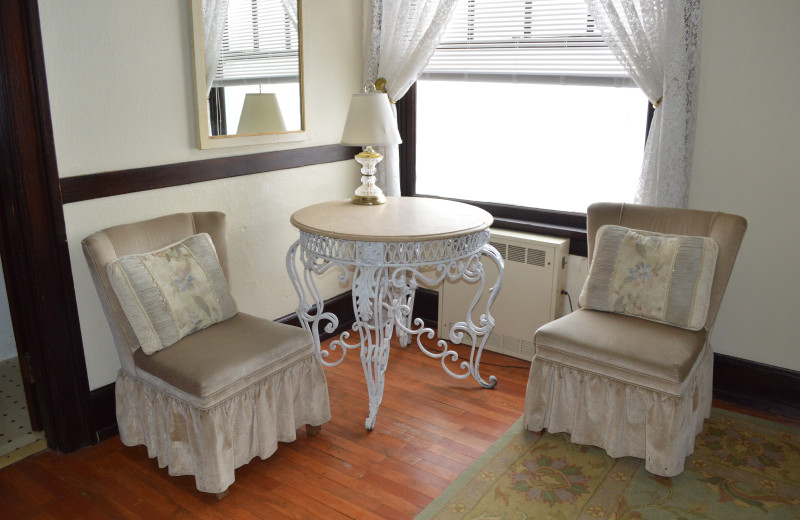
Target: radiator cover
point(533, 278)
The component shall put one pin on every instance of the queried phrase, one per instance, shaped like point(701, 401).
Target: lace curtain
point(658, 42)
point(214, 14)
point(401, 36)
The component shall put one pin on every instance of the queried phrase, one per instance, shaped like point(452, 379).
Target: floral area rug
point(742, 468)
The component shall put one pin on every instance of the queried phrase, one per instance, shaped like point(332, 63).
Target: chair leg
point(313, 430)
point(220, 496)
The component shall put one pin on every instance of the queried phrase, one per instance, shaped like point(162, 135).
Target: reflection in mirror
point(251, 82)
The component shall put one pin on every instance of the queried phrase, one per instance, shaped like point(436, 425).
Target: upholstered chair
point(637, 385)
point(210, 400)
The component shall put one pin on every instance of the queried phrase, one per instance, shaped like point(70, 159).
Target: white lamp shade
point(261, 114)
point(370, 122)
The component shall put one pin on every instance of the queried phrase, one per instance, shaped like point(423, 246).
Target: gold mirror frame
point(207, 141)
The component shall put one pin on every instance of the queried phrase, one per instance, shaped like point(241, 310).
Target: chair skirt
point(623, 419)
point(210, 443)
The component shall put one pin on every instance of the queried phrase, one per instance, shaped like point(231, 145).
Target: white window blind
point(525, 41)
point(259, 45)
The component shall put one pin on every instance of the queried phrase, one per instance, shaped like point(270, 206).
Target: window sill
point(531, 220)
point(577, 237)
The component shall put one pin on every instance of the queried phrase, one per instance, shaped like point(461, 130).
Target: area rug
point(742, 468)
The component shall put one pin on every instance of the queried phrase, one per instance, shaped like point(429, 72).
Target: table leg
point(374, 309)
point(383, 298)
point(479, 332)
point(404, 289)
point(310, 308)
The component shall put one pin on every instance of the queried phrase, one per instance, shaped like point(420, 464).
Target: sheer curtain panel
point(214, 14)
point(658, 43)
point(401, 36)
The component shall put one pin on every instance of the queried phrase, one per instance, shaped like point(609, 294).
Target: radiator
point(533, 278)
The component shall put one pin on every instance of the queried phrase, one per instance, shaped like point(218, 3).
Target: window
point(259, 53)
point(523, 105)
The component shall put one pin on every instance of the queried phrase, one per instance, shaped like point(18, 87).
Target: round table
point(384, 251)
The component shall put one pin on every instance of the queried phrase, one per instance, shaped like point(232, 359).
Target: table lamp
point(261, 114)
point(370, 122)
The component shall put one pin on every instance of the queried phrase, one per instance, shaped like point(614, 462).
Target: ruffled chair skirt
point(210, 443)
point(623, 419)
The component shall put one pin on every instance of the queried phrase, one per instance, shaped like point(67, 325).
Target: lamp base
point(368, 194)
point(371, 200)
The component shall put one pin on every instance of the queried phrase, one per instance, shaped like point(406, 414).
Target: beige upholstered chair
point(218, 397)
point(629, 385)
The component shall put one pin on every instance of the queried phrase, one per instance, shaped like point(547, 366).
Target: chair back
point(107, 245)
point(728, 230)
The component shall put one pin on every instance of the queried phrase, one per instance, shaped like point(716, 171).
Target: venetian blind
point(536, 41)
point(259, 45)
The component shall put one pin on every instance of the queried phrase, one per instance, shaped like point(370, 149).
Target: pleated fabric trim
point(210, 443)
point(623, 419)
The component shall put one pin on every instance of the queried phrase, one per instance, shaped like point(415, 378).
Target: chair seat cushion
point(219, 360)
point(625, 348)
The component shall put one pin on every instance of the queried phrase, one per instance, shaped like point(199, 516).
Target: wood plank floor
point(430, 428)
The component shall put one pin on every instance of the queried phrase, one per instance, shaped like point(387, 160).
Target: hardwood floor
point(430, 428)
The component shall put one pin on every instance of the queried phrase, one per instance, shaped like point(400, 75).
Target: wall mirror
point(248, 67)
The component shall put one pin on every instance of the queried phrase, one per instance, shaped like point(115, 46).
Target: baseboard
point(103, 409)
point(756, 385)
point(103, 403)
point(426, 306)
point(738, 381)
point(341, 306)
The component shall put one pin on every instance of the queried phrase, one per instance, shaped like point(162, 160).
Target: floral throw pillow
point(172, 292)
point(664, 278)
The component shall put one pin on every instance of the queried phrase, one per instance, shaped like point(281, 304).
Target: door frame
point(33, 238)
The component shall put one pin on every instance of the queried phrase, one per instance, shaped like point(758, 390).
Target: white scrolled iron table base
point(384, 277)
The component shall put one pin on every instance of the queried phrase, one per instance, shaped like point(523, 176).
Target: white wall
point(121, 97)
point(120, 83)
point(747, 161)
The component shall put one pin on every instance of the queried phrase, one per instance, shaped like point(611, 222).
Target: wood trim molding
point(738, 381)
point(33, 238)
point(107, 184)
point(341, 306)
point(103, 401)
point(756, 385)
point(530, 220)
point(407, 125)
point(104, 412)
point(425, 306)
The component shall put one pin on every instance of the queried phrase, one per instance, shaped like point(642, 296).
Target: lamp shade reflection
point(261, 114)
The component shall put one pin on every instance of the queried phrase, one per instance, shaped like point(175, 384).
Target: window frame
point(217, 111)
point(564, 224)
